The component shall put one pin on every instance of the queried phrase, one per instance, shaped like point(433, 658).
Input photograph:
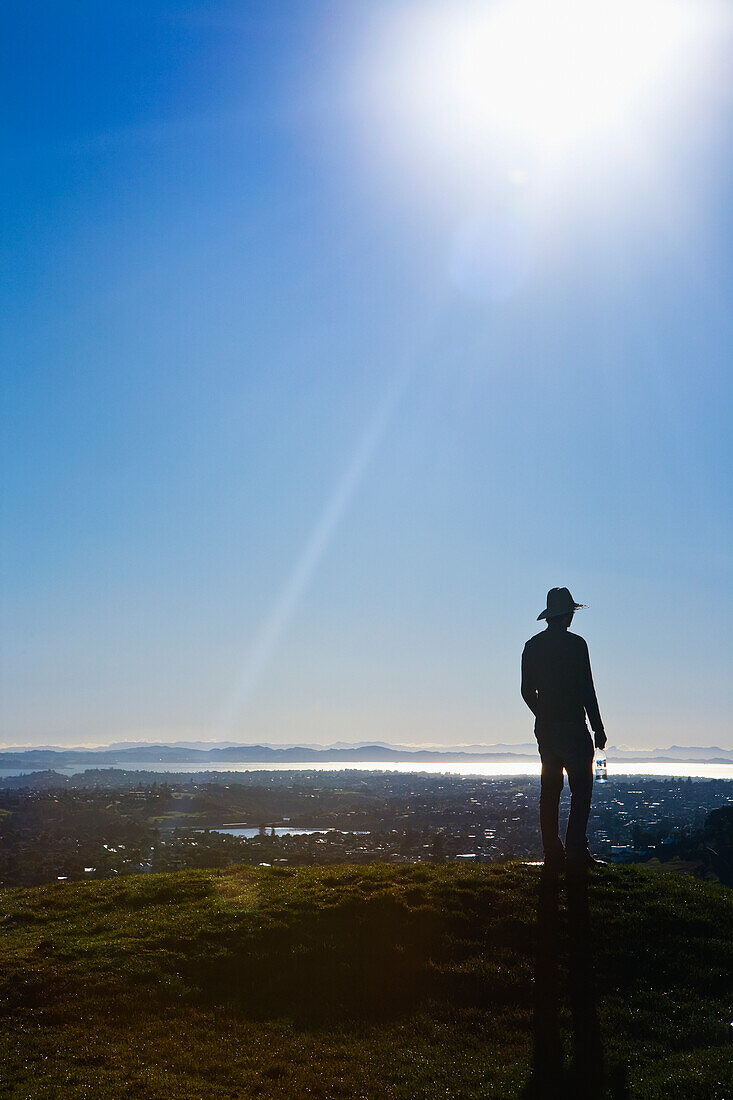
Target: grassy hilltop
point(361, 982)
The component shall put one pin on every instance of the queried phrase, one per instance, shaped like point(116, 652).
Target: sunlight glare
point(535, 85)
point(553, 75)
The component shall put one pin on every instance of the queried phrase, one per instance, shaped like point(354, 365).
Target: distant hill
point(397, 982)
point(243, 754)
point(364, 752)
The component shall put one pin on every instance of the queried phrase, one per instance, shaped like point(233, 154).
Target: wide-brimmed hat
point(559, 602)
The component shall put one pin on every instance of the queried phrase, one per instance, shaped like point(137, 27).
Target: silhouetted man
point(557, 686)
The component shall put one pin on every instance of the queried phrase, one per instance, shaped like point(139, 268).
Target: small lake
point(279, 830)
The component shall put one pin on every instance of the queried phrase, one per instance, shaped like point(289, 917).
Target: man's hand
point(600, 740)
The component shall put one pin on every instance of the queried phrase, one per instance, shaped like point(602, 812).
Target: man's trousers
point(567, 747)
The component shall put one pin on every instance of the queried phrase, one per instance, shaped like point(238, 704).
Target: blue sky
point(297, 433)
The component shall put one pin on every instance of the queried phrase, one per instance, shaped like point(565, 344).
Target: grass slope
point(359, 982)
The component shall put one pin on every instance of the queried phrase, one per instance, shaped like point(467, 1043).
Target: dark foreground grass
point(369, 982)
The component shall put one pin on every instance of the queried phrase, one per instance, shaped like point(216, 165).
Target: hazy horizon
point(526, 747)
point(321, 370)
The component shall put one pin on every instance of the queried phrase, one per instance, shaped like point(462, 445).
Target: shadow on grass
point(586, 1077)
point(367, 961)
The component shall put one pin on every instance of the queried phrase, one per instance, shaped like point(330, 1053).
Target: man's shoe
point(579, 865)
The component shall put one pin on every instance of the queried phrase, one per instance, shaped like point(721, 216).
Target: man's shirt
point(557, 683)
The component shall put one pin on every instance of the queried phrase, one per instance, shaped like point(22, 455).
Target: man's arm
point(529, 690)
point(591, 703)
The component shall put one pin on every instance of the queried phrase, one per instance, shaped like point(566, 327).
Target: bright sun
point(551, 74)
point(534, 83)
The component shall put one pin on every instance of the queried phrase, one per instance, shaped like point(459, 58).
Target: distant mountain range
point(203, 753)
